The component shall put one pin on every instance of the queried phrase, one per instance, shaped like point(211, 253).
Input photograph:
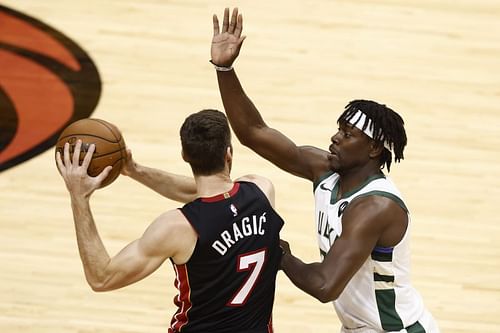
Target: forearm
point(251, 130)
point(172, 186)
point(93, 254)
point(241, 112)
point(307, 277)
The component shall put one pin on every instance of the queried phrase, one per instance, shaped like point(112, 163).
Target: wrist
point(136, 171)
point(79, 198)
point(285, 256)
point(221, 68)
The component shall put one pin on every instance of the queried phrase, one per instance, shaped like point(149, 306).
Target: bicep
point(132, 264)
point(349, 252)
point(343, 260)
point(144, 255)
point(303, 161)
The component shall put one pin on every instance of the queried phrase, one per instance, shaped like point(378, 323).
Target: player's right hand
point(129, 167)
point(226, 43)
point(78, 182)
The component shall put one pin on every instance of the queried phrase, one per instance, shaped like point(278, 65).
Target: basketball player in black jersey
point(223, 245)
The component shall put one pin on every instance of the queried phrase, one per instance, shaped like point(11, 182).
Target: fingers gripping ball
point(109, 146)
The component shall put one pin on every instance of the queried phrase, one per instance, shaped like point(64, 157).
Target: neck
point(209, 186)
point(352, 179)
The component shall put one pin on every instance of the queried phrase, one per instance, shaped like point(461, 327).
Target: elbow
point(99, 278)
point(249, 137)
point(246, 140)
point(326, 299)
point(97, 290)
point(330, 288)
point(326, 295)
point(253, 143)
point(98, 286)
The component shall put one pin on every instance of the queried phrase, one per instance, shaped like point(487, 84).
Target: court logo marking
point(47, 81)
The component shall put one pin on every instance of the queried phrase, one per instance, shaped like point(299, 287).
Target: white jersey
point(379, 297)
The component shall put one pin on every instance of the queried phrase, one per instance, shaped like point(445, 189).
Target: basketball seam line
point(111, 130)
point(108, 153)
point(94, 136)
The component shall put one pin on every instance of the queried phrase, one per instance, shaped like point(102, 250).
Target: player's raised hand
point(226, 43)
point(75, 175)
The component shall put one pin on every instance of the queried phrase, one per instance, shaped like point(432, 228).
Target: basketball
point(109, 146)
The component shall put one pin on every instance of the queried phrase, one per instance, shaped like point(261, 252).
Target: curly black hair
point(388, 127)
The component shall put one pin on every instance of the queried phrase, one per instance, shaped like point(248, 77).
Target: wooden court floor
point(436, 62)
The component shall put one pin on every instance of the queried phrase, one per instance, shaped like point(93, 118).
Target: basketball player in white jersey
point(362, 221)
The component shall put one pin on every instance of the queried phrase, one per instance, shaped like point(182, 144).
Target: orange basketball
point(109, 145)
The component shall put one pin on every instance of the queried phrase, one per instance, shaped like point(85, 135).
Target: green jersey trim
point(386, 304)
point(415, 328)
point(335, 190)
point(391, 196)
point(321, 178)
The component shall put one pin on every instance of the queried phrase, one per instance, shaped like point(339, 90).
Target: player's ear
point(228, 158)
point(229, 153)
point(376, 148)
point(184, 157)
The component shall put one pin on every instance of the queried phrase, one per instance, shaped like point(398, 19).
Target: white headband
point(359, 119)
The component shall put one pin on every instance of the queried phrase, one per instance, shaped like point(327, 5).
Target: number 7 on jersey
point(253, 261)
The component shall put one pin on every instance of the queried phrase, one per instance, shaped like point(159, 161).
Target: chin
point(335, 167)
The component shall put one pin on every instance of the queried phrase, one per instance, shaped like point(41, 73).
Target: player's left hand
point(285, 246)
point(285, 250)
point(78, 182)
point(129, 168)
point(226, 42)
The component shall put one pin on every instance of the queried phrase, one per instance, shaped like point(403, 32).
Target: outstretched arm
point(172, 186)
point(246, 121)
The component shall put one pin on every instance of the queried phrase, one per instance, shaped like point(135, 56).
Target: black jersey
point(228, 283)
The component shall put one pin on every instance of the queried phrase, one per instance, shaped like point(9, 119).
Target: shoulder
point(170, 232)
point(173, 222)
point(170, 219)
point(373, 212)
point(263, 183)
point(257, 180)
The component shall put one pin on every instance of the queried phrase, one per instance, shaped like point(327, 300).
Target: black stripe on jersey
point(384, 278)
point(386, 304)
point(381, 256)
point(415, 328)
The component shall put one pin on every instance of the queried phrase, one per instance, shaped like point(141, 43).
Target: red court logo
point(46, 82)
